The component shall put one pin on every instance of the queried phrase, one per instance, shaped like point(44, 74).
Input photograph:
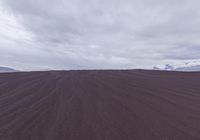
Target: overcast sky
point(98, 34)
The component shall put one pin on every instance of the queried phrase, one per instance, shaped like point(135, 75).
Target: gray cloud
point(65, 34)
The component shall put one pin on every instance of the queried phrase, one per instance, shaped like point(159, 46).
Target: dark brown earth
point(100, 105)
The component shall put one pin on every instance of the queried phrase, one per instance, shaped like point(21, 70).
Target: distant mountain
point(190, 68)
point(6, 69)
point(169, 67)
point(156, 68)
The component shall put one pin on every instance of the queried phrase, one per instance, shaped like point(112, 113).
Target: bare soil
point(100, 105)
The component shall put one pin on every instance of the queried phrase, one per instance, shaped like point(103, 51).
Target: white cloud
point(79, 34)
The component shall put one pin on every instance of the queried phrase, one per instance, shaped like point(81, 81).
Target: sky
point(98, 34)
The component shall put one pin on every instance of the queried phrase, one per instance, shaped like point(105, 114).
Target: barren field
point(100, 105)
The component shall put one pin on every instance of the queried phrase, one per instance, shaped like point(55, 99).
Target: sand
point(100, 105)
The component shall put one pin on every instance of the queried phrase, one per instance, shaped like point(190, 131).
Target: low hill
point(6, 69)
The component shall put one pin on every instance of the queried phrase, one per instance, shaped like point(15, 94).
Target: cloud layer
point(83, 34)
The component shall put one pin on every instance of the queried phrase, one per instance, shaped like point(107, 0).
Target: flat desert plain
point(100, 105)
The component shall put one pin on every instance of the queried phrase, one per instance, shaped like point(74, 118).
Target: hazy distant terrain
point(191, 68)
point(188, 67)
point(100, 105)
point(6, 69)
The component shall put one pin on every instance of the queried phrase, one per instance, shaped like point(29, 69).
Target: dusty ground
point(100, 105)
